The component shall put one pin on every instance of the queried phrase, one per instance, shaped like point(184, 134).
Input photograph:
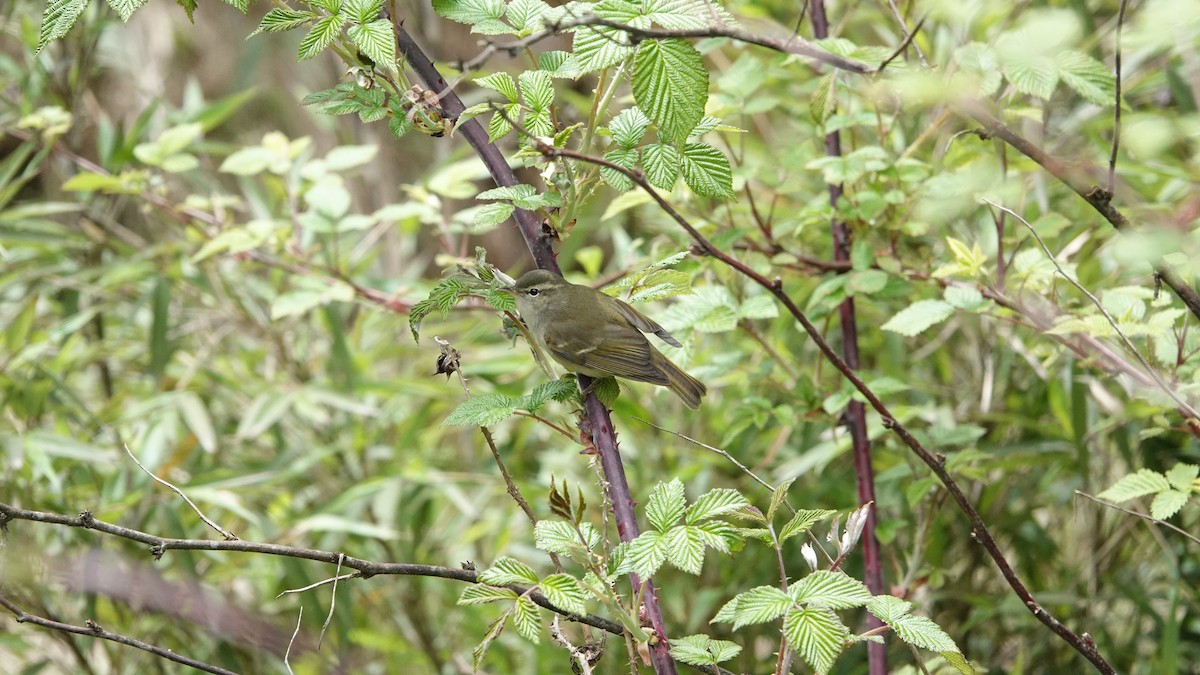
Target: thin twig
point(903, 45)
point(332, 601)
point(732, 460)
point(92, 629)
point(207, 521)
point(287, 653)
point(318, 584)
point(1112, 159)
point(1162, 384)
point(1152, 519)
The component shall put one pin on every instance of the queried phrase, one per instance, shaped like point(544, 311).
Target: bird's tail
point(686, 387)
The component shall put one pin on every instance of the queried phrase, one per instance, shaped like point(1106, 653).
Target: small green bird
point(597, 335)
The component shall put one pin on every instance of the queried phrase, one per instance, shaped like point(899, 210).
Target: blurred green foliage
point(195, 266)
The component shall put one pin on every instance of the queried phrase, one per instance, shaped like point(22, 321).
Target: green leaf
point(598, 47)
point(361, 11)
point(685, 548)
point(482, 410)
point(57, 19)
point(493, 632)
point(833, 590)
point(621, 157)
point(817, 634)
point(375, 39)
point(706, 171)
point(667, 505)
point(481, 12)
point(701, 650)
point(478, 594)
point(196, 416)
point(526, 619)
point(1035, 75)
point(564, 591)
point(647, 553)
point(537, 89)
point(125, 8)
point(555, 536)
point(919, 316)
point(685, 14)
point(1135, 485)
point(264, 411)
point(320, 37)
point(662, 165)
point(714, 503)
point(1182, 476)
point(278, 20)
point(492, 215)
point(915, 630)
point(1167, 503)
point(559, 64)
point(526, 15)
point(1091, 79)
point(803, 522)
point(507, 571)
point(980, 60)
point(757, 605)
point(628, 128)
point(501, 82)
point(670, 84)
point(823, 103)
point(556, 390)
point(501, 122)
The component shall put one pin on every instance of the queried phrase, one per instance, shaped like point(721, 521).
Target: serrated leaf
point(823, 102)
point(278, 20)
point(492, 215)
point(493, 632)
point(375, 39)
point(715, 503)
point(598, 47)
point(1091, 79)
point(922, 632)
point(57, 19)
point(817, 634)
point(500, 82)
point(662, 164)
point(720, 535)
point(646, 554)
point(620, 157)
point(506, 571)
point(361, 11)
point(803, 522)
point(556, 536)
point(559, 64)
point(701, 650)
point(980, 60)
point(125, 8)
point(706, 171)
point(501, 122)
point(670, 85)
point(757, 605)
point(685, 548)
point(1035, 75)
point(834, 590)
point(1135, 485)
point(666, 505)
point(918, 317)
point(564, 591)
point(526, 620)
point(482, 410)
point(478, 594)
point(320, 37)
point(474, 12)
point(1182, 476)
point(628, 128)
point(1167, 503)
point(537, 89)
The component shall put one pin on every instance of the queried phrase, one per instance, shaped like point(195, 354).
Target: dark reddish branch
point(1097, 197)
point(1084, 644)
point(856, 412)
point(540, 248)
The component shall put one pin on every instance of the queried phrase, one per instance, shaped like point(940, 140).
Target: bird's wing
point(644, 323)
point(613, 351)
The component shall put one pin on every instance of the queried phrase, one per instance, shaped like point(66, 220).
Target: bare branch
point(92, 629)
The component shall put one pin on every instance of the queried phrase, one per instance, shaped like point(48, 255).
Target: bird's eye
point(533, 292)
